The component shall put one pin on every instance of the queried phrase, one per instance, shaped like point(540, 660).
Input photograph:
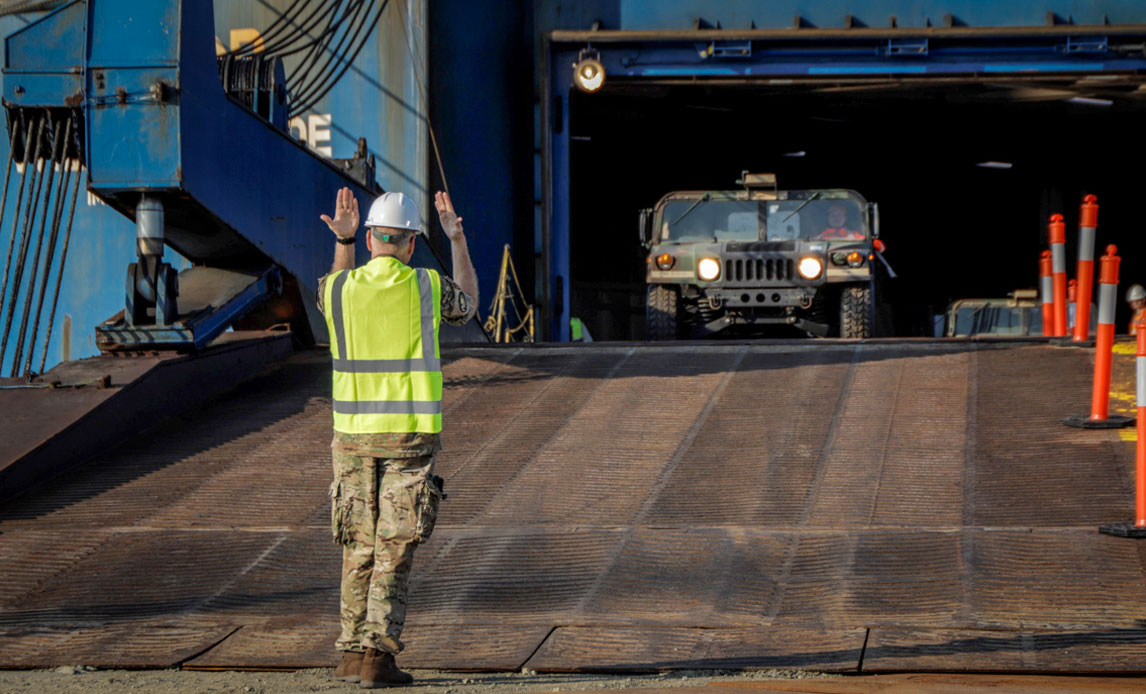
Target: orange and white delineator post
point(1100, 417)
point(1057, 233)
point(1137, 528)
point(1140, 468)
point(1087, 224)
point(1046, 289)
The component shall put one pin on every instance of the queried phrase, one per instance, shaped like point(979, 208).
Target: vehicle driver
point(837, 226)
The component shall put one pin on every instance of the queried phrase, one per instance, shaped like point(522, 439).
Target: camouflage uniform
point(383, 504)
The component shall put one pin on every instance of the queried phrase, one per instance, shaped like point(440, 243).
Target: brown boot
point(379, 670)
point(348, 669)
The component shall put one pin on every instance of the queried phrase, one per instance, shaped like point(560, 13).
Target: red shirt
point(840, 233)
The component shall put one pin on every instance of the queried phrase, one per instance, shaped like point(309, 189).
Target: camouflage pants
point(381, 508)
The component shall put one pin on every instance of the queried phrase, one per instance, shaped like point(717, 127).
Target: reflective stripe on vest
point(387, 370)
point(387, 407)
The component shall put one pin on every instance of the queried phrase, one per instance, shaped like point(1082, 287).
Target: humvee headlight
point(855, 259)
point(665, 261)
point(708, 269)
point(810, 268)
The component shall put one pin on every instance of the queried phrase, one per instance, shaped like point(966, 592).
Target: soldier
point(383, 319)
point(837, 225)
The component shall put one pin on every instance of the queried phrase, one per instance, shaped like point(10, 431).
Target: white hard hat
point(1136, 292)
point(395, 210)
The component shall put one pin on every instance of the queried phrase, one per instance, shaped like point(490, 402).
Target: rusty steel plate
point(1080, 651)
point(645, 649)
point(34, 415)
point(136, 576)
point(48, 432)
point(925, 683)
point(441, 647)
point(137, 645)
point(623, 507)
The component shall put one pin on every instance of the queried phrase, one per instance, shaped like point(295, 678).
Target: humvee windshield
point(996, 317)
point(762, 220)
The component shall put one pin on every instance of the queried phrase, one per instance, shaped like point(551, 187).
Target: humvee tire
point(855, 311)
point(661, 312)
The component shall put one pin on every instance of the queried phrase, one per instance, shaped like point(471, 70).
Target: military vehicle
point(722, 260)
point(1017, 315)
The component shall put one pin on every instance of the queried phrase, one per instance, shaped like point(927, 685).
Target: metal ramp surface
point(880, 506)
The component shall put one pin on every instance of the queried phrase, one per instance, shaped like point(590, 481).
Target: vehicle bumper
point(730, 319)
point(761, 297)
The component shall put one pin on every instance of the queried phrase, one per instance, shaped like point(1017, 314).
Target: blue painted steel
point(52, 47)
point(481, 108)
point(560, 204)
point(158, 120)
point(199, 329)
point(860, 56)
point(378, 98)
point(829, 14)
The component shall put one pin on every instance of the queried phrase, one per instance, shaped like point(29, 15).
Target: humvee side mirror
point(646, 219)
point(873, 216)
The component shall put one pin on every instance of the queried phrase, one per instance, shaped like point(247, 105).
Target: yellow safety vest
point(383, 319)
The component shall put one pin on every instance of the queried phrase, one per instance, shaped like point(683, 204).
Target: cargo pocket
point(428, 501)
point(337, 513)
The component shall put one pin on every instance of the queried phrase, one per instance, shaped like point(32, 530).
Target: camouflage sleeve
point(322, 292)
point(457, 306)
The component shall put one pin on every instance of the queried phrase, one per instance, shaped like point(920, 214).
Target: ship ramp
point(840, 506)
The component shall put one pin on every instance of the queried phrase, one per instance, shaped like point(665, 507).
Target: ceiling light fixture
point(588, 72)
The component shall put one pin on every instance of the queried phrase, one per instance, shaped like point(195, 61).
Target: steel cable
point(303, 31)
point(356, 7)
point(320, 89)
point(315, 50)
point(305, 34)
point(301, 72)
point(53, 238)
point(33, 193)
point(337, 29)
point(280, 24)
point(316, 94)
point(4, 205)
point(7, 177)
point(298, 26)
point(307, 63)
point(67, 241)
point(35, 273)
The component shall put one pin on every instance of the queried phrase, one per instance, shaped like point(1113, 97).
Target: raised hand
point(345, 222)
point(451, 222)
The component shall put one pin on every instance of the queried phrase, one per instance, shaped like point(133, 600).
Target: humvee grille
point(758, 269)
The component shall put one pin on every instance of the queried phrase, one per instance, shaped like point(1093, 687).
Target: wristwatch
point(346, 241)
